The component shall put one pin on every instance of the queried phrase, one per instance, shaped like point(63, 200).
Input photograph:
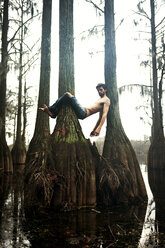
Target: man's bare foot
point(46, 110)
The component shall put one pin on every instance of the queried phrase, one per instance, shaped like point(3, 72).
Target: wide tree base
point(66, 172)
point(39, 172)
point(6, 164)
point(122, 158)
point(18, 153)
point(76, 166)
point(114, 183)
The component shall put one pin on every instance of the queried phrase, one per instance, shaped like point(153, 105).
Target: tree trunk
point(19, 151)
point(66, 63)
point(74, 162)
point(156, 154)
point(39, 147)
point(117, 147)
point(72, 157)
point(5, 155)
point(42, 128)
point(24, 114)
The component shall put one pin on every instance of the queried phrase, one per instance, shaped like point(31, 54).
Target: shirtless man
point(101, 106)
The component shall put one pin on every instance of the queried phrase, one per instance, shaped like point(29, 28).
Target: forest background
point(132, 47)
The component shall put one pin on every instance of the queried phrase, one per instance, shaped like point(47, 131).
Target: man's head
point(102, 89)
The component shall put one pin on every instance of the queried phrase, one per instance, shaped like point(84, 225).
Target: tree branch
point(22, 26)
point(160, 22)
point(138, 13)
point(96, 6)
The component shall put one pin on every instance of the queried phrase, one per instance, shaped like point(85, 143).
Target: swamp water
point(134, 226)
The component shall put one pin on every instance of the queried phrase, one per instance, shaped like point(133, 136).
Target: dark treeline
point(141, 148)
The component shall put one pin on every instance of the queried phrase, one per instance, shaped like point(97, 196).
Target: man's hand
point(95, 133)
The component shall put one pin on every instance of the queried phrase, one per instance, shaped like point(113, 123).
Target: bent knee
point(68, 94)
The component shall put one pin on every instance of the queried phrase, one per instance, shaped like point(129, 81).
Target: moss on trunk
point(67, 128)
point(61, 170)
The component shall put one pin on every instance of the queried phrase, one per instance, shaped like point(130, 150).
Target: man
point(101, 105)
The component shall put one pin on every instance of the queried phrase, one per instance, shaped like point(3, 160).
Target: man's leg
point(67, 98)
point(79, 110)
point(53, 110)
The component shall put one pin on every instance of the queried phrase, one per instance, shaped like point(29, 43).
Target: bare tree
point(117, 147)
point(5, 156)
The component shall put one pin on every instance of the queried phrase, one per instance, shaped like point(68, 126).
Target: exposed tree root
point(65, 171)
point(115, 182)
point(76, 164)
point(39, 173)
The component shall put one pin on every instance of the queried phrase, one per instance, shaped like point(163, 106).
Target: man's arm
point(101, 120)
point(97, 124)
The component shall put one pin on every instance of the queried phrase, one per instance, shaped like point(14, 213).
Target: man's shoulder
point(106, 100)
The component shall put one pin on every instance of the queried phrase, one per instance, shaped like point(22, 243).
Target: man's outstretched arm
point(101, 120)
point(97, 124)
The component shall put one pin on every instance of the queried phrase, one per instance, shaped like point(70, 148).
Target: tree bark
point(74, 162)
point(66, 48)
point(24, 114)
point(5, 155)
point(156, 182)
point(42, 129)
point(36, 172)
point(117, 147)
point(19, 151)
point(156, 154)
point(72, 156)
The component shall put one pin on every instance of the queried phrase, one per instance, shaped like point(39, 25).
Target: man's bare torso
point(98, 106)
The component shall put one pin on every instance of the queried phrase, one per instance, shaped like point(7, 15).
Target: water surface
point(133, 226)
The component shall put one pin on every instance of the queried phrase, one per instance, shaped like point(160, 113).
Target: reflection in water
point(116, 227)
point(11, 232)
point(148, 236)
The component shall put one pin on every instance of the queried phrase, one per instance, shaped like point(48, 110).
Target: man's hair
point(101, 85)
